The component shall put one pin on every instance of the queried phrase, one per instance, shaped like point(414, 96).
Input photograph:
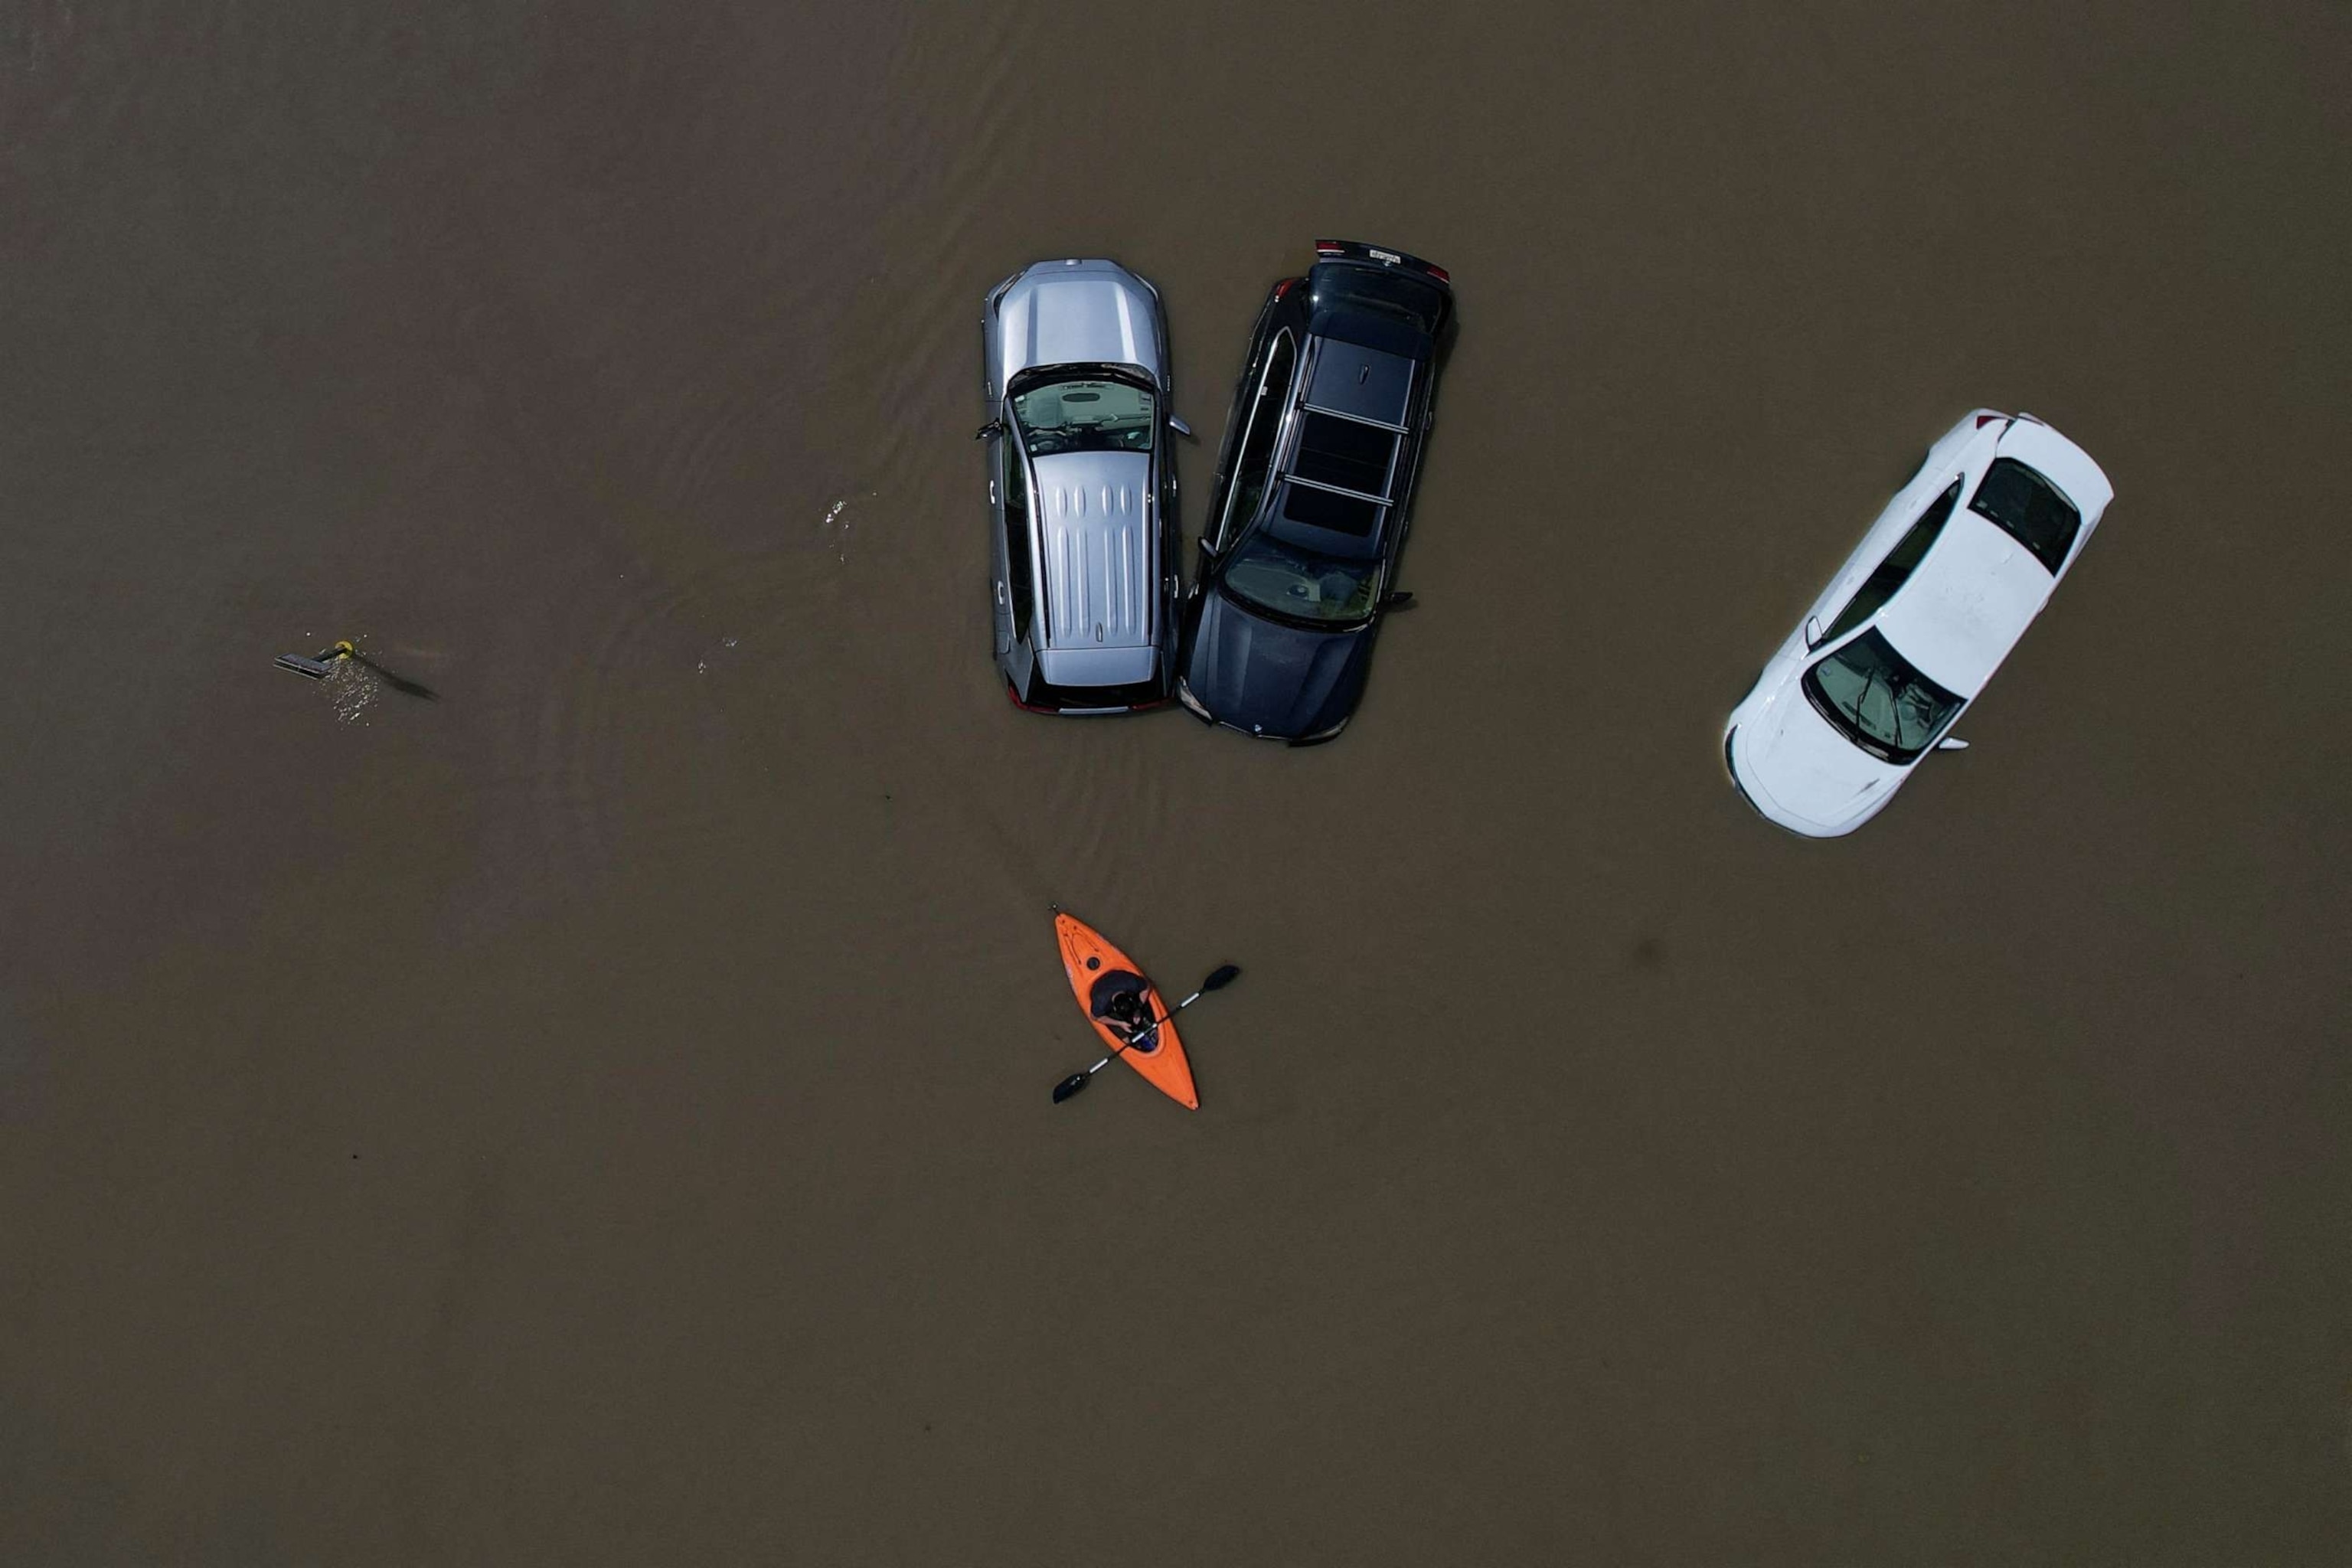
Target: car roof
point(1361, 383)
point(1097, 550)
point(1336, 486)
point(1965, 607)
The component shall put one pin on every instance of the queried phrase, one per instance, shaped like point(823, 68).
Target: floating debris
point(352, 680)
point(320, 667)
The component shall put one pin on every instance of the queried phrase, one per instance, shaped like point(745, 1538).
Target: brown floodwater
point(601, 1116)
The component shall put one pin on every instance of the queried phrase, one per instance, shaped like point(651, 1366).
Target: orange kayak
point(1099, 972)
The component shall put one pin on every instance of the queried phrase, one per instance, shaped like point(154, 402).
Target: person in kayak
point(1129, 1013)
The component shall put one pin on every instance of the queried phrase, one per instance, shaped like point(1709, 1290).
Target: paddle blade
point(1069, 1085)
point(1222, 978)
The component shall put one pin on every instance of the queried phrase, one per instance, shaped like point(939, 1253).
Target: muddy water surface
point(601, 1116)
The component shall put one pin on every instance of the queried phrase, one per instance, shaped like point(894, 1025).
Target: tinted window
point(1895, 570)
point(2029, 508)
point(1875, 696)
point(1263, 423)
point(1020, 553)
point(1399, 293)
point(1335, 451)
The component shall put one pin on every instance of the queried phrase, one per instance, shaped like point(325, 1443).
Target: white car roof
point(1966, 605)
point(1978, 589)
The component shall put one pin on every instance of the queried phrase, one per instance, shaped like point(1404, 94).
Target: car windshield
point(1091, 416)
point(1881, 703)
point(1299, 583)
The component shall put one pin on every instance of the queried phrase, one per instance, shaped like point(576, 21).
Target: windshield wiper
point(1871, 742)
point(1862, 699)
point(1895, 700)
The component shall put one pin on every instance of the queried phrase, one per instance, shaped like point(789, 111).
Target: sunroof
point(1345, 452)
point(1329, 511)
point(1363, 382)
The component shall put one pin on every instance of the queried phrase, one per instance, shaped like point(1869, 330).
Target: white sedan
point(1914, 625)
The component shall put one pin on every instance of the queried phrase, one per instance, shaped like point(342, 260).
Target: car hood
point(1082, 313)
point(1270, 677)
point(1791, 758)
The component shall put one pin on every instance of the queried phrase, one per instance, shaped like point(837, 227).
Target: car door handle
point(1000, 593)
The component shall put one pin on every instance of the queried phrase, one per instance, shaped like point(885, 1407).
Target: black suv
point(1314, 482)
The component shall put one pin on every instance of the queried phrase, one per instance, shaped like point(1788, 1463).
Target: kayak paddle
point(1078, 1081)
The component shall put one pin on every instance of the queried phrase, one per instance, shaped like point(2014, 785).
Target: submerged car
point(1311, 500)
point(1913, 626)
point(1081, 488)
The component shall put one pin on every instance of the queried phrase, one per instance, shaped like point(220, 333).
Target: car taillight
point(1329, 248)
point(1284, 286)
point(1439, 273)
point(1985, 419)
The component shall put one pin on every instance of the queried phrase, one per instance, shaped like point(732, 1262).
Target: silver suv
point(1081, 488)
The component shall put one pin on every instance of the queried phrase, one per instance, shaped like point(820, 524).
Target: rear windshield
point(2029, 508)
point(1343, 452)
point(1386, 290)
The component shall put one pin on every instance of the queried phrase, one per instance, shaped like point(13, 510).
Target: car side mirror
point(1813, 633)
point(1179, 425)
point(1951, 743)
point(990, 431)
point(1397, 602)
